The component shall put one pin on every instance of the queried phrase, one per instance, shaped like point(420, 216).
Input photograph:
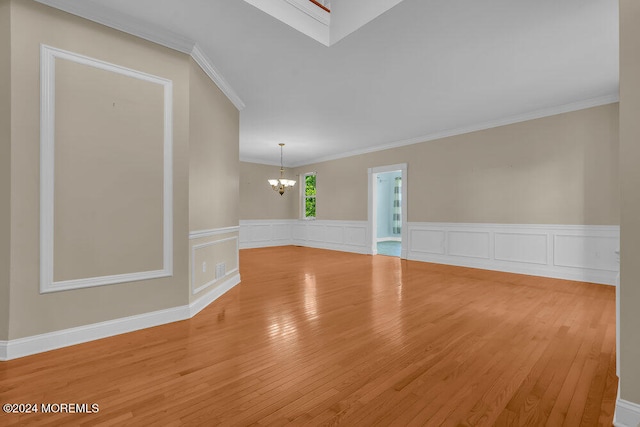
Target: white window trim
point(303, 197)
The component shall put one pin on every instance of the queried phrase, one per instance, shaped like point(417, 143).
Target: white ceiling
point(423, 69)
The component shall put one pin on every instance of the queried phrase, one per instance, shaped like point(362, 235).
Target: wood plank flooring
point(315, 337)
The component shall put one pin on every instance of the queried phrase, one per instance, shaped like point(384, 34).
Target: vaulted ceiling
point(421, 70)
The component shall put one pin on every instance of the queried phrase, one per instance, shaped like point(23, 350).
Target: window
point(309, 199)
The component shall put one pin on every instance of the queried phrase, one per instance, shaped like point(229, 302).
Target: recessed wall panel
point(108, 193)
point(591, 252)
point(427, 241)
point(518, 247)
point(334, 234)
point(261, 233)
point(355, 236)
point(468, 244)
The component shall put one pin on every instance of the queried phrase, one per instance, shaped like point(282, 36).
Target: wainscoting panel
point(213, 262)
point(473, 244)
point(316, 233)
point(586, 251)
point(335, 234)
point(427, 241)
point(347, 236)
point(281, 232)
point(355, 235)
point(299, 231)
point(521, 247)
point(574, 252)
point(259, 234)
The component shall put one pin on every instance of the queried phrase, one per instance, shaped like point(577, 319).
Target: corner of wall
point(5, 167)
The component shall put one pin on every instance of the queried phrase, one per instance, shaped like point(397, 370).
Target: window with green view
point(309, 200)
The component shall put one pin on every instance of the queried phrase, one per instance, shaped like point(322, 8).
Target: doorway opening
point(387, 210)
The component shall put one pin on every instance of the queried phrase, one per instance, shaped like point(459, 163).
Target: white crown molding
point(538, 114)
point(213, 232)
point(627, 414)
point(312, 10)
point(119, 21)
point(248, 159)
point(48, 56)
point(136, 27)
point(21, 347)
point(201, 59)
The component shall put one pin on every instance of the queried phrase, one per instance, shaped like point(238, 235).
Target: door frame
point(372, 211)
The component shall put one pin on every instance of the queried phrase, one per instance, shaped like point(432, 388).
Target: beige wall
point(213, 181)
point(5, 165)
point(213, 173)
point(630, 195)
point(34, 313)
point(257, 198)
point(561, 169)
point(108, 210)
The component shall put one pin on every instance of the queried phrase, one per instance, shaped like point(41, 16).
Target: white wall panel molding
point(199, 234)
point(574, 252)
point(347, 236)
point(516, 248)
point(48, 56)
point(627, 414)
point(194, 286)
point(21, 347)
point(530, 248)
point(465, 243)
point(265, 233)
point(119, 21)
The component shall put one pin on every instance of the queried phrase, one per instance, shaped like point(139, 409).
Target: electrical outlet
point(204, 266)
point(221, 270)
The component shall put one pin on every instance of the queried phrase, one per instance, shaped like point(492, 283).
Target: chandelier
point(281, 184)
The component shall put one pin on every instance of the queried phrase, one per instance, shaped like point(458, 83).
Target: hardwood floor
point(317, 337)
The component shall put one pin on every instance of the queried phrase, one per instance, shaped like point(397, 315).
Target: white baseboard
point(627, 414)
point(201, 303)
point(21, 347)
